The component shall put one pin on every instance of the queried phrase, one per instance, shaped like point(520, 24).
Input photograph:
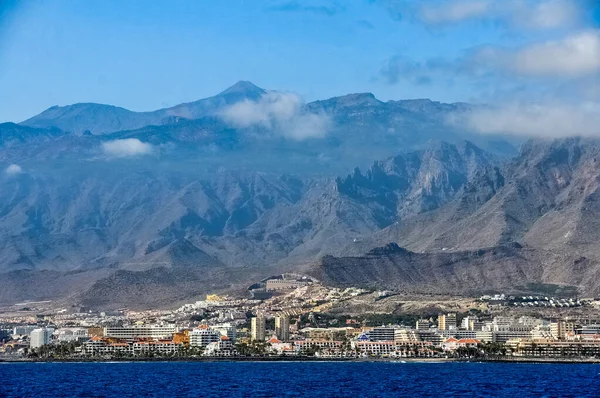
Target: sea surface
point(298, 379)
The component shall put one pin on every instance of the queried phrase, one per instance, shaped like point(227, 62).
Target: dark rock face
point(463, 272)
point(417, 182)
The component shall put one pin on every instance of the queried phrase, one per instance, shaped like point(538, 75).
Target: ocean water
point(298, 379)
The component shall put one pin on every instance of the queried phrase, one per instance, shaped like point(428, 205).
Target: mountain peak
point(359, 97)
point(348, 100)
point(244, 87)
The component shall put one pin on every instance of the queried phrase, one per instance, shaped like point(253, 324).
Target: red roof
point(469, 341)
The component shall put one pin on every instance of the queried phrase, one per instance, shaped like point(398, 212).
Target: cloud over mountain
point(545, 85)
point(126, 147)
point(282, 113)
point(548, 120)
point(571, 57)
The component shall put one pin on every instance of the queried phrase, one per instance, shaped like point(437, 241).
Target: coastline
point(528, 360)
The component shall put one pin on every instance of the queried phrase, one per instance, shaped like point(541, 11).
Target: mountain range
point(110, 208)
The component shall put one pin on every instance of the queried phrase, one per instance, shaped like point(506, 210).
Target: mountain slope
point(136, 215)
point(12, 135)
point(103, 119)
point(95, 118)
point(546, 199)
point(464, 272)
point(468, 222)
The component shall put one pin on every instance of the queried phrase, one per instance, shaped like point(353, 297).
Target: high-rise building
point(471, 323)
point(447, 321)
point(282, 327)
point(258, 328)
point(40, 337)
point(560, 329)
point(382, 333)
point(422, 324)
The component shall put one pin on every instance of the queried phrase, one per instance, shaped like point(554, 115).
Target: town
point(295, 317)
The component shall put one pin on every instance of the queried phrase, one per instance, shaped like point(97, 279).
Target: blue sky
point(145, 55)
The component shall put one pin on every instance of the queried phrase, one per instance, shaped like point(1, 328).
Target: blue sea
point(298, 379)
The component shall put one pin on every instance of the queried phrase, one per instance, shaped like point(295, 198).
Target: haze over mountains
point(111, 207)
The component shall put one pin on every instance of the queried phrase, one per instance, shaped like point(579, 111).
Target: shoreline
point(529, 360)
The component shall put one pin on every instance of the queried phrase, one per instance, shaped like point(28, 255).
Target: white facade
point(284, 284)
point(405, 336)
point(258, 328)
point(282, 328)
point(140, 331)
point(23, 330)
point(227, 330)
point(222, 348)
point(100, 346)
point(40, 337)
point(423, 324)
point(71, 334)
point(203, 337)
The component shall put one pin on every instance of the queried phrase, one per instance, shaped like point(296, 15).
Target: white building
point(392, 349)
point(308, 344)
point(203, 337)
point(471, 323)
point(423, 324)
point(152, 331)
point(258, 328)
point(284, 284)
point(71, 334)
point(40, 337)
point(226, 329)
point(24, 330)
point(447, 321)
point(282, 327)
point(280, 348)
point(222, 348)
point(453, 344)
point(505, 328)
point(406, 336)
point(160, 347)
point(382, 333)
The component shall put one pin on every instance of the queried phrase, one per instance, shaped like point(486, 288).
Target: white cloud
point(13, 169)
point(282, 113)
point(575, 55)
point(126, 147)
point(549, 14)
point(453, 11)
point(549, 120)
point(531, 14)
